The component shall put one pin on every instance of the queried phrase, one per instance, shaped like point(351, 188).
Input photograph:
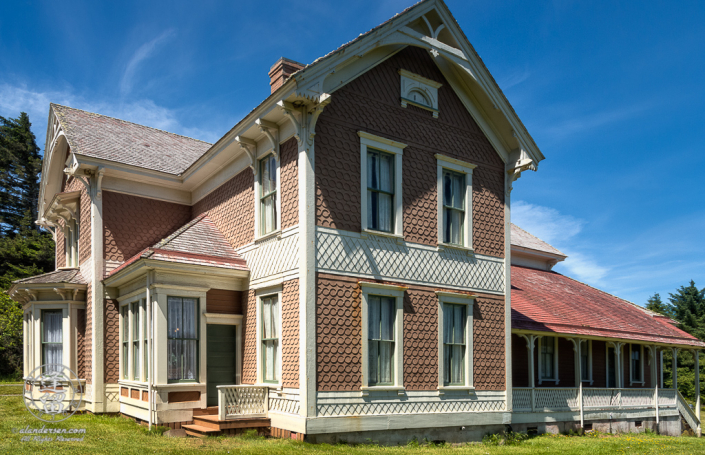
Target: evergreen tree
point(687, 306)
point(655, 304)
point(20, 165)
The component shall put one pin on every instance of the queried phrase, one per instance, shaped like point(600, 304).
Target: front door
point(220, 359)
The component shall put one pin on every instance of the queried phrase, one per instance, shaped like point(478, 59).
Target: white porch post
point(530, 340)
point(696, 354)
point(660, 357)
point(675, 368)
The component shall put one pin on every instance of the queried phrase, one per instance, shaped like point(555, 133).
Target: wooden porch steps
point(210, 425)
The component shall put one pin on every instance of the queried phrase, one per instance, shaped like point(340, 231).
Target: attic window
point(419, 91)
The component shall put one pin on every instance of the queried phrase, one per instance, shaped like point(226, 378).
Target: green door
point(220, 359)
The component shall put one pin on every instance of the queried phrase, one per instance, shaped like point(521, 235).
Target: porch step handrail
point(242, 401)
point(687, 413)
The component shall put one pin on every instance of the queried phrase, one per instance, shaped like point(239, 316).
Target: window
point(382, 336)
point(455, 315)
point(268, 194)
point(454, 202)
point(136, 359)
point(182, 321)
point(270, 338)
point(380, 190)
point(419, 91)
point(636, 363)
point(454, 344)
point(71, 236)
point(381, 315)
point(381, 185)
point(453, 207)
point(52, 339)
point(125, 341)
point(145, 354)
point(586, 360)
point(548, 359)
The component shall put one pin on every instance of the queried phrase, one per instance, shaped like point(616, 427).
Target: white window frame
point(258, 221)
point(588, 346)
point(396, 292)
point(456, 298)
point(555, 360)
point(140, 302)
point(411, 82)
point(397, 149)
point(259, 295)
point(641, 363)
point(71, 235)
point(462, 167)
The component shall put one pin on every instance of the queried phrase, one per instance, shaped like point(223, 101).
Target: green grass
point(119, 435)
point(6, 389)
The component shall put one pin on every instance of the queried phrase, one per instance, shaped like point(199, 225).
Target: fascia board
point(125, 170)
point(541, 254)
point(143, 265)
point(612, 339)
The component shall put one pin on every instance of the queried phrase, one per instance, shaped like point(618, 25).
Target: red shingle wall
point(231, 207)
point(339, 344)
point(111, 340)
point(289, 163)
point(60, 251)
point(371, 103)
point(290, 334)
point(133, 223)
point(80, 343)
point(85, 225)
point(88, 343)
point(249, 347)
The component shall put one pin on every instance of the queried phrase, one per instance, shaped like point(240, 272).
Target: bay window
point(270, 338)
point(136, 360)
point(52, 339)
point(182, 339)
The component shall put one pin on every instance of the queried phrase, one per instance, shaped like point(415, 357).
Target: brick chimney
point(280, 72)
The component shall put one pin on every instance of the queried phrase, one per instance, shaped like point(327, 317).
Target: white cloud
point(140, 55)
point(15, 99)
point(561, 231)
point(514, 79)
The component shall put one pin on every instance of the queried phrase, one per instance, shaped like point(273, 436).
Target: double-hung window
point(182, 343)
point(268, 194)
point(455, 339)
point(454, 320)
point(636, 363)
point(381, 315)
point(52, 339)
point(136, 359)
point(380, 191)
point(125, 341)
point(454, 188)
point(381, 186)
point(270, 338)
point(71, 235)
point(547, 359)
point(145, 354)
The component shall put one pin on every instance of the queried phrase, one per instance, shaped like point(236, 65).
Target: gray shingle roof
point(71, 276)
point(523, 239)
point(200, 236)
point(112, 139)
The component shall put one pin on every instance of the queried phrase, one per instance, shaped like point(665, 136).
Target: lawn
point(121, 436)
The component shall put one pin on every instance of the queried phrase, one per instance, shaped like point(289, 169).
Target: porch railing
point(551, 399)
point(242, 401)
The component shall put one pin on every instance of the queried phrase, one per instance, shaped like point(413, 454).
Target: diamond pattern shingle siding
point(371, 103)
point(88, 356)
point(290, 334)
point(550, 302)
point(249, 347)
point(80, 343)
point(108, 138)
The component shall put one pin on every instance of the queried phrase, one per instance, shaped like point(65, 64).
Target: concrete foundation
point(670, 426)
point(450, 435)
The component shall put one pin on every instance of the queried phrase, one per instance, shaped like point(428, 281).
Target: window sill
point(277, 233)
point(175, 385)
point(400, 390)
point(129, 383)
point(450, 246)
point(456, 388)
point(370, 232)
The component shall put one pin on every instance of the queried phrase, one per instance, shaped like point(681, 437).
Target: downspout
point(150, 320)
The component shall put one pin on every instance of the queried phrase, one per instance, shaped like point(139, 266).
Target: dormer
point(530, 251)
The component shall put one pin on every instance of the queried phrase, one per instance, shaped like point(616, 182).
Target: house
point(337, 266)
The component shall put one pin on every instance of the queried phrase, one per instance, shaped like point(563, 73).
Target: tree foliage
point(655, 304)
point(20, 165)
point(25, 251)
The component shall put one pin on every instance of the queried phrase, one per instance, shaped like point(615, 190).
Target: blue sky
point(612, 92)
